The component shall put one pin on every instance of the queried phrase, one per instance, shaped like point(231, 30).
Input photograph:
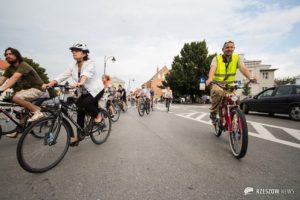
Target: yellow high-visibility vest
point(224, 75)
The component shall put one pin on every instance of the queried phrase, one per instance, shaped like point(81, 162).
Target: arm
point(245, 71)
point(2, 80)
point(83, 79)
point(16, 76)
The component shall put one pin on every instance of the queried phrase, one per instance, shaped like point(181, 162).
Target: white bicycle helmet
point(82, 47)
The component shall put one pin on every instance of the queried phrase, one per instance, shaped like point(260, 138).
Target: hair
point(120, 85)
point(16, 53)
point(86, 57)
point(226, 42)
point(107, 77)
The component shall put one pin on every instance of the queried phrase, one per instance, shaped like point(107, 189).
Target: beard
point(12, 62)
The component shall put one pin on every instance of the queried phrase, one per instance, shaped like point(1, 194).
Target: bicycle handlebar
point(233, 87)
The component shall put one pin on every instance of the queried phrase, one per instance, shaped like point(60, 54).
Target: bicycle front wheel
point(37, 155)
point(141, 109)
point(238, 138)
point(101, 131)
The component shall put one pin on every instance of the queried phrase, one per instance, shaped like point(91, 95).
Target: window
point(264, 88)
point(297, 90)
point(265, 75)
point(266, 93)
point(283, 91)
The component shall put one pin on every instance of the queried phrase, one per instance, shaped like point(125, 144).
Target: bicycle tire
point(62, 139)
point(218, 129)
point(147, 108)
point(116, 114)
point(240, 132)
point(141, 109)
point(103, 129)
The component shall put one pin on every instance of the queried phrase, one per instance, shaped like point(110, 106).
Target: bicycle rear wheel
point(147, 108)
point(238, 138)
point(217, 126)
point(8, 126)
point(37, 155)
point(116, 112)
point(101, 131)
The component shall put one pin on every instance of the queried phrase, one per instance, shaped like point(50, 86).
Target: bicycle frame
point(229, 101)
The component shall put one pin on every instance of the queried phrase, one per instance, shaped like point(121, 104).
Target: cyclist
point(152, 98)
point(144, 92)
point(26, 82)
point(83, 73)
point(123, 96)
point(106, 80)
point(168, 95)
point(223, 70)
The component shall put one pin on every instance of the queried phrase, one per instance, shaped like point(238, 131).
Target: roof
point(267, 69)
point(3, 64)
point(164, 67)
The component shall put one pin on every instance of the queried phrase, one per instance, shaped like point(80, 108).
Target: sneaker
point(213, 117)
point(12, 135)
point(37, 115)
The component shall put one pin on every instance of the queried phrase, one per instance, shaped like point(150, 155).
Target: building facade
point(156, 81)
point(264, 73)
point(115, 81)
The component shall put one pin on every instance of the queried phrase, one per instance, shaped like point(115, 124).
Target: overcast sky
point(146, 34)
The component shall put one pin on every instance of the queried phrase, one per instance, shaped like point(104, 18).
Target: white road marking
point(263, 133)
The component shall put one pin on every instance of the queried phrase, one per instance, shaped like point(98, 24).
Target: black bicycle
point(143, 106)
point(40, 155)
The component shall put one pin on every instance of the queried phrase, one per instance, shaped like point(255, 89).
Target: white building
point(115, 81)
point(263, 73)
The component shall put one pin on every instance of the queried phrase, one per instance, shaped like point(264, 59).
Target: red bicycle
point(232, 120)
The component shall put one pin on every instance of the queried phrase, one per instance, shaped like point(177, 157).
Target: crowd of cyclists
point(82, 75)
point(89, 88)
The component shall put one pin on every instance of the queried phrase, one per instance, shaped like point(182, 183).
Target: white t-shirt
point(88, 69)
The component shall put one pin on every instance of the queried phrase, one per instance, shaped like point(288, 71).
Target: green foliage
point(40, 70)
point(284, 81)
point(193, 62)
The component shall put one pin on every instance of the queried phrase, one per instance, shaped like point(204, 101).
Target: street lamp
point(106, 59)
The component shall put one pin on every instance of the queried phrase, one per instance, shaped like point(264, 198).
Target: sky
point(146, 34)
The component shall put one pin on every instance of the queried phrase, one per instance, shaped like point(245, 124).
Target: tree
point(284, 81)
point(40, 70)
point(187, 67)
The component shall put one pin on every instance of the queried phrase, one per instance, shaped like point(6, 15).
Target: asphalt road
point(166, 156)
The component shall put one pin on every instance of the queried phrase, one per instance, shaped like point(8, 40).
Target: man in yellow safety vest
point(223, 70)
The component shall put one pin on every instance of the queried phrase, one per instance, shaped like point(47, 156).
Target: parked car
point(284, 99)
